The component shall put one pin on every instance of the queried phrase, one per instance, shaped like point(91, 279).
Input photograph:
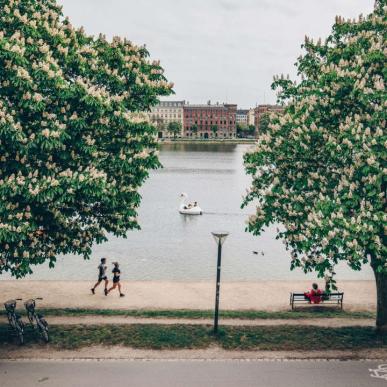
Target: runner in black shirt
point(116, 278)
point(101, 276)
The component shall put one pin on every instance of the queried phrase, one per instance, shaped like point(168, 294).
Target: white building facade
point(242, 117)
point(251, 117)
point(164, 113)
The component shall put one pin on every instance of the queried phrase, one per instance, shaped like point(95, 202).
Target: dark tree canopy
point(264, 122)
point(174, 127)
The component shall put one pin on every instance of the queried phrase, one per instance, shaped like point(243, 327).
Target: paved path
point(178, 373)
point(122, 320)
point(214, 352)
point(263, 295)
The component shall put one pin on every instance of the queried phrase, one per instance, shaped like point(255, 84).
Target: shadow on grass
point(153, 336)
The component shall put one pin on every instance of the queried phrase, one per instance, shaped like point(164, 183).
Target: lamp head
point(220, 236)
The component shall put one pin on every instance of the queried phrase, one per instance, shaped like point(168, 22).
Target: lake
point(176, 247)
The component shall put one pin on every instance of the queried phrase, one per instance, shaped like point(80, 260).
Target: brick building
point(262, 109)
point(210, 121)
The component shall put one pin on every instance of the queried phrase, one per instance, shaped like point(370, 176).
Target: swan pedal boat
point(187, 209)
point(190, 211)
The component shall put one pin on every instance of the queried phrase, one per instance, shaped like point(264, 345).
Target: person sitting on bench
point(314, 295)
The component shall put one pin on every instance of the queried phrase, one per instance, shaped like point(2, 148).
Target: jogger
point(116, 279)
point(101, 276)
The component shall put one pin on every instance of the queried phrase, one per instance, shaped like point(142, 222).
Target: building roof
point(171, 103)
point(209, 106)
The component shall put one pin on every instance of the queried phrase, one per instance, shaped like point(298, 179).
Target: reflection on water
point(171, 246)
point(200, 148)
point(197, 170)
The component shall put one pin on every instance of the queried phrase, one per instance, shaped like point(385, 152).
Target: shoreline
point(240, 295)
point(208, 141)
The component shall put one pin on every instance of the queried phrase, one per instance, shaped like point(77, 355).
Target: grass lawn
point(304, 313)
point(155, 336)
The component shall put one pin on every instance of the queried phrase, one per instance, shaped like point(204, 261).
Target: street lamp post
point(220, 237)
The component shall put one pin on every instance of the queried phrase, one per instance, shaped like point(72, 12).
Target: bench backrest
point(325, 296)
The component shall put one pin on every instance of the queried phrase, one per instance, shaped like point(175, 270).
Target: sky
point(218, 50)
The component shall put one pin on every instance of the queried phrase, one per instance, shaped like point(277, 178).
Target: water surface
point(178, 247)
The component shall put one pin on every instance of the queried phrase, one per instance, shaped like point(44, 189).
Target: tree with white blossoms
point(320, 168)
point(74, 145)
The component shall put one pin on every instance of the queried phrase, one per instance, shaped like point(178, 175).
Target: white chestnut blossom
point(320, 167)
point(74, 145)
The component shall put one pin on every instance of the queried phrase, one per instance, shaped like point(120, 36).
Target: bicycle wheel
point(43, 330)
point(12, 327)
point(12, 321)
point(30, 318)
point(19, 333)
point(20, 337)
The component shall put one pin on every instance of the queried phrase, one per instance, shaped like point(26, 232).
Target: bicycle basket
point(30, 305)
point(10, 305)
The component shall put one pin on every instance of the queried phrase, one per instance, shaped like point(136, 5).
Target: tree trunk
point(381, 295)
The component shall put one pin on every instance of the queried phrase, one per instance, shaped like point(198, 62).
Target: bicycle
point(14, 319)
point(37, 320)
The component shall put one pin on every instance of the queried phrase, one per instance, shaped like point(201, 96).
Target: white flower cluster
point(72, 145)
point(318, 169)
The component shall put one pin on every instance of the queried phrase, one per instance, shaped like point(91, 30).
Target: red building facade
point(210, 121)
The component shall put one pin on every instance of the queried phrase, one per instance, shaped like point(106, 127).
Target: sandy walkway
point(264, 295)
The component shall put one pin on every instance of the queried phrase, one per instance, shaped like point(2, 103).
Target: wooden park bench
point(326, 298)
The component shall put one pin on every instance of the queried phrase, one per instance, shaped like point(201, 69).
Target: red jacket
point(314, 296)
